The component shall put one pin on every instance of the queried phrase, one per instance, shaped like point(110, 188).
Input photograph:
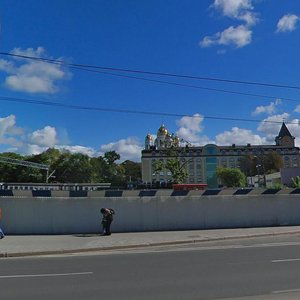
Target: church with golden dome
point(201, 162)
point(163, 140)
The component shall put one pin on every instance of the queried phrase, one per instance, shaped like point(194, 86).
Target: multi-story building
point(201, 162)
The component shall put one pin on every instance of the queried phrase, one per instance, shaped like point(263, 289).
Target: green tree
point(73, 168)
point(231, 177)
point(273, 162)
point(269, 163)
point(98, 165)
point(296, 182)
point(132, 171)
point(110, 171)
point(47, 157)
point(174, 165)
point(70, 168)
point(13, 172)
point(111, 157)
point(248, 165)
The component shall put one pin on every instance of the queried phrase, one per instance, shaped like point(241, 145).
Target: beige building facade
point(201, 162)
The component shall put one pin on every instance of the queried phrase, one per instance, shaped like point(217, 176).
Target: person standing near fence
point(107, 218)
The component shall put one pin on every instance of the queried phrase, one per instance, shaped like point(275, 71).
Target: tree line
point(67, 167)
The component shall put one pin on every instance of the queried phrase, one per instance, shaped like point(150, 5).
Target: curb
point(139, 246)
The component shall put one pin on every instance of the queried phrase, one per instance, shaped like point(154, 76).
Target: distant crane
point(28, 164)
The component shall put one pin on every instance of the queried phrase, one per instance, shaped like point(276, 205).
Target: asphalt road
point(213, 271)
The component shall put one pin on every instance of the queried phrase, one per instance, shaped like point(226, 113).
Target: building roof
point(284, 131)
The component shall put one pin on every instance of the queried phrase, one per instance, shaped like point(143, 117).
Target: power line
point(190, 86)
point(96, 70)
point(126, 111)
point(162, 81)
point(152, 73)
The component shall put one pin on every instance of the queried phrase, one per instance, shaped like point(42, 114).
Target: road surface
point(229, 269)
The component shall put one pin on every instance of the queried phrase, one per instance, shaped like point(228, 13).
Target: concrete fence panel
point(67, 215)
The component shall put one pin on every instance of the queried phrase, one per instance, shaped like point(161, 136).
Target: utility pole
point(28, 164)
point(261, 165)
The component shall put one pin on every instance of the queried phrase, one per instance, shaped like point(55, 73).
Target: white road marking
point(286, 291)
point(45, 275)
point(285, 260)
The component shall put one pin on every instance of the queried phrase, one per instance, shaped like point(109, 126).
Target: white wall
point(28, 215)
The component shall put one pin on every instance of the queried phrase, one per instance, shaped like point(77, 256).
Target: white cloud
point(9, 131)
point(45, 137)
point(78, 149)
point(268, 109)
point(13, 138)
point(193, 123)
point(190, 128)
point(237, 9)
point(128, 148)
point(32, 84)
point(287, 23)
point(239, 37)
point(6, 124)
point(31, 149)
point(294, 128)
point(32, 76)
point(239, 136)
point(209, 41)
point(7, 66)
point(297, 109)
point(271, 126)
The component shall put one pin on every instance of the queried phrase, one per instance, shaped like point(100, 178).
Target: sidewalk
point(24, 245)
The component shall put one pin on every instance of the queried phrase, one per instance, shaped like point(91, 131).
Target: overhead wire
point(191, 86)
point(150, 72)
point(93, 69)
point(99, 69)
point(141, 112)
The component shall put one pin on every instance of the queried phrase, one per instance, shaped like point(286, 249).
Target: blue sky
point(255, 41)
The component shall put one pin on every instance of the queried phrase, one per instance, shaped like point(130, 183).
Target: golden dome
point(149, 137)
point(162, 130)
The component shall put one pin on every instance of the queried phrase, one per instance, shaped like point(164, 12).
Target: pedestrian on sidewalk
point(107, 218)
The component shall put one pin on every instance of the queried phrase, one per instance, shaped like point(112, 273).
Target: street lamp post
point(263, 171)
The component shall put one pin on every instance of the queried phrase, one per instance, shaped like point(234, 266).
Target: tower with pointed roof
point(284, 137)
